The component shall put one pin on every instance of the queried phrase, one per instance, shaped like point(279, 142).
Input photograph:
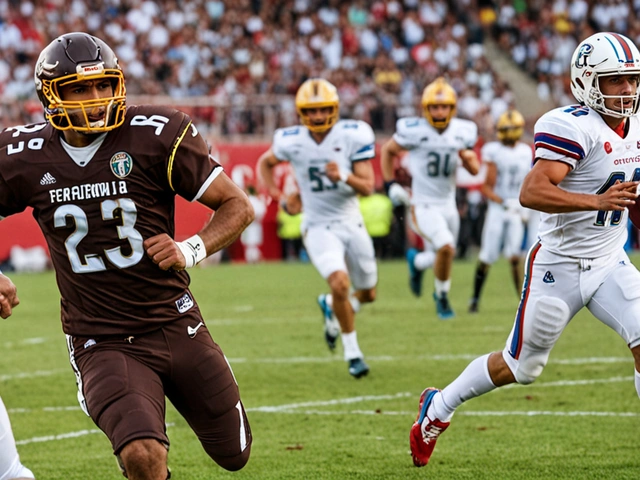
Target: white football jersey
point(347, 142)
point(512, 165)
point(598, 158)
point(433, 156)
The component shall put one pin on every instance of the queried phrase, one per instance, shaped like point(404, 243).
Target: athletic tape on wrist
point(193, 250)
point(344, 175)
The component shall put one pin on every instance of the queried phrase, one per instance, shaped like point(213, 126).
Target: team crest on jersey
point(121, 164)
point(607, 147)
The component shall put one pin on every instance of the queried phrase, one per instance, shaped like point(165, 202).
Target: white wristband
point(193, 250)
point(344, 175)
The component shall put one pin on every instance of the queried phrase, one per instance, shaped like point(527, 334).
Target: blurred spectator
point(239, 62)
point(289, 227)
point(377, 212)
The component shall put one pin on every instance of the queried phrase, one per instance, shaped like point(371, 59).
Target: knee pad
point(550, 316)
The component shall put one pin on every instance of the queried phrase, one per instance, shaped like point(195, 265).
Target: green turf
point(322, 423)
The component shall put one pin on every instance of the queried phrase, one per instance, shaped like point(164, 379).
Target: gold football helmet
point(439, 92)
point(317, 93)
point(510, 126)
point(76, 57)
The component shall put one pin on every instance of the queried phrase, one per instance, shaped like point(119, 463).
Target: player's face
point(439, 113)
point(86, 91)
point(318, 116)
point(620, 88)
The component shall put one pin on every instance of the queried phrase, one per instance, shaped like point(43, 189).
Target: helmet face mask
point(510, 126)
point(76, 58)
point(314, 94)
point(439, 92)
point(601, 55)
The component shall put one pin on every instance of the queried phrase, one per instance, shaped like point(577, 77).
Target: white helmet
point(600, 55)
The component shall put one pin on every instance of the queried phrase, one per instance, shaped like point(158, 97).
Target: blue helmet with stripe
point(604, 54)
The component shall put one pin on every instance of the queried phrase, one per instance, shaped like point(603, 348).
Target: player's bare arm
point(389, 151)
point(233, 213)
point(293, 203)
point(361, 180)
point(540, 191)
point(489, 184)
point(8, 296)
point(470, 160)
point(266, 162)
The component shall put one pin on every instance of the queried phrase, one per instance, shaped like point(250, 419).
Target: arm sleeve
point(558, 136)
point(364, 145)
point(190, 167)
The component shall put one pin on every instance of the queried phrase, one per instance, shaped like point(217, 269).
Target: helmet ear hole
point(579, 82)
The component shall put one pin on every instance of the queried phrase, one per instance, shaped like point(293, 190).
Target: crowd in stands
point(237, 64)
point(542, 35)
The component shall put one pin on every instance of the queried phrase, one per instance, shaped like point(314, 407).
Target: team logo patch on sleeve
point(121, 164)
point(184, 303)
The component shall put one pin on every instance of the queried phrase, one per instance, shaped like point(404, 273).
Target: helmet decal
point(625, 48)
point(583, 55)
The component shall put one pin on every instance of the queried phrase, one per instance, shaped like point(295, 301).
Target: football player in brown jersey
point(102, 178)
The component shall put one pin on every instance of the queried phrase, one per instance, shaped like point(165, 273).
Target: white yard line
point(37, 373)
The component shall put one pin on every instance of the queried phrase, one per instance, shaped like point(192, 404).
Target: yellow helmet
point(439, 92)
point(317, 93)
point(510, 126)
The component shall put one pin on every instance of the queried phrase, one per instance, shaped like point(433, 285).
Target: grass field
point(311, 420)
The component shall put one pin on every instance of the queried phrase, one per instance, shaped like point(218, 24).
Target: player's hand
point(275, 193)
point(8, 296)
point(333, 171)
point(619, 196)
point(164, 252)
point(293, 204)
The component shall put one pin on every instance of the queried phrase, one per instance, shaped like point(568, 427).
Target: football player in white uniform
point(10, 466)
point(508, 160)
point(331, 161)
point(435, 145)
point(584, 177)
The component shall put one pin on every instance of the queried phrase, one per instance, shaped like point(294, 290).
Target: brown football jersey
point(95, 216)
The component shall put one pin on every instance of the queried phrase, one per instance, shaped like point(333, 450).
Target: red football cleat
point(425, 432)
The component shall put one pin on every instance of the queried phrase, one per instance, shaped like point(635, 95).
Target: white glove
point(399, 195)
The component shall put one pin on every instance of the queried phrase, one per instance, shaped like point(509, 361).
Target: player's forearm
point(266, 173)
point(490, 194)
point(470, 161)
point(386, 163)
point(228, 222)
point(363, 186)
point(550, 198)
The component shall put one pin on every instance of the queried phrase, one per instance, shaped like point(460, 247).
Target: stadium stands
point(234, 65)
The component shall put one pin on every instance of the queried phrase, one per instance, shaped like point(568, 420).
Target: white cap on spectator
point(175, 20)
point(26, 9)
point(135, 69)
point(475, 51)
point(139, 21)
point(114, 31)
point(306, 26)
point(158, 36)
